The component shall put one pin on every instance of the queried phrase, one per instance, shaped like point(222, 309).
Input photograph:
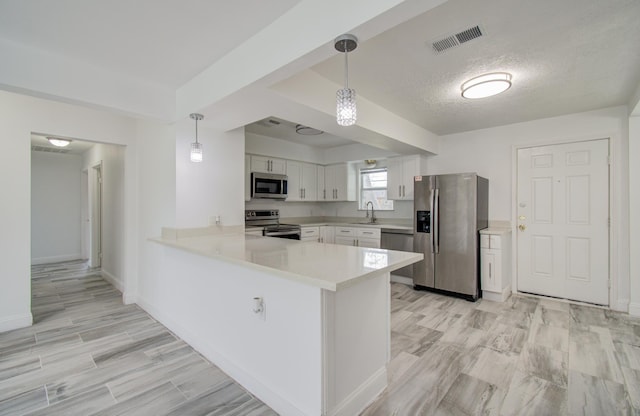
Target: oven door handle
point(277, 233)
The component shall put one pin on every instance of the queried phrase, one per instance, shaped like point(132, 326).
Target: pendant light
point(196, 148)
point(346, 97)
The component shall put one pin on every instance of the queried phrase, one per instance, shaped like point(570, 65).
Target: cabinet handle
point(304, 193)
point(403, 192)
point(489, 270)
point(399, 190)
point(324, 194)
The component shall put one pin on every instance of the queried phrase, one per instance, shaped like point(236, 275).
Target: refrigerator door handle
point(431, 202)
point(435, 218)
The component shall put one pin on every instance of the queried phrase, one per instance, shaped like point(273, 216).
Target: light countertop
point(496, 231)
point(328, 266)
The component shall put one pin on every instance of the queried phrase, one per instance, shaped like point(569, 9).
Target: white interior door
point(563, 221)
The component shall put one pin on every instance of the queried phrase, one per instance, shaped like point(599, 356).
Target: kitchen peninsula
point(304, 326)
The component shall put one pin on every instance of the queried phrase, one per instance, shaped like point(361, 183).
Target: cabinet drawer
point(368, 233)
point(309, 232)
point(484, 241)
point(345, 232)
point(494, 241)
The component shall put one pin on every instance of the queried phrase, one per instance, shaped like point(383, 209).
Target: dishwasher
point(401, 240)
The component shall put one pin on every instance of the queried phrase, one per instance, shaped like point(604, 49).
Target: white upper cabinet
point(302, 181)
point(400, 173)
point(321, 190)
point(268, 165)
point(340, 182)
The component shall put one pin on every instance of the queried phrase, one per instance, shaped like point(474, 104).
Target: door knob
point(522, 227)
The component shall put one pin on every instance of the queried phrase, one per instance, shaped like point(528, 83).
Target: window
point(373, 187)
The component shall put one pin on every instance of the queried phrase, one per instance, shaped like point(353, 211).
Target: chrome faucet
point(373, 213)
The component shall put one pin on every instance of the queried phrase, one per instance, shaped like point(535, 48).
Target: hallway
point(88, 354)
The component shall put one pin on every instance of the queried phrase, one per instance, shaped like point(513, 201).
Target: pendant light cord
point(346, 66)
point(196, 130)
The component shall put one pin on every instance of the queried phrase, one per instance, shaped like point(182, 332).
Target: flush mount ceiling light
point(486, 85)
point(346, 97)
point(307, 131)
point(58, 142)
point(196, 148)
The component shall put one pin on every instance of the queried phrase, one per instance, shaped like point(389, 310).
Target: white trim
point(497, 296)
point(614, 195)
point(402, 279)
point(117, 283)
point(363, 396)
point(621, 306)
point(129, 299)
point(15, 322)
point(56, 259)
point(234, 370)
point(634, 309)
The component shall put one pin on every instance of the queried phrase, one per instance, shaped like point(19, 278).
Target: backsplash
point(403, 209)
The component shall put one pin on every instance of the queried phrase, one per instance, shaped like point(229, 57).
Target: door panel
point(456, 255)
point(563, 212)
point(423, 271)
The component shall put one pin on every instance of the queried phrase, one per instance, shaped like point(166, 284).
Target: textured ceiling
point(164, 41)
point(565, 56)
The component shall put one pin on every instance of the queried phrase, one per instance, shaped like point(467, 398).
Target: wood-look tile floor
point(88, 354)
point(526, 356)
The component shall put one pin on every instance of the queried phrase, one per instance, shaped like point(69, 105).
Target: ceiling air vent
point(457, 39)
point(36, 148)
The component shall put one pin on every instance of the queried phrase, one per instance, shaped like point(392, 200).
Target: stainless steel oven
point(268, 186)
point(270, 220)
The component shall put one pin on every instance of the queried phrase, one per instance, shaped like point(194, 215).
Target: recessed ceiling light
point(307, 131)
point(486, 85)
point(58, 142)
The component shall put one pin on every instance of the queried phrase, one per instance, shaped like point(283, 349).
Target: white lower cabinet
point(359, 237)
point(328, 234)
point(310, 234)
point(495, 262)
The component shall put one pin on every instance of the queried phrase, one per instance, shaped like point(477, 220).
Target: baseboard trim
point(278, 403)
point(113, 280)
point(621, 305)
point(56, 259)
point(634, 308)
point(497, 296)
point(402, 279)
point(363, 396)
point(129, 299)
point(15, 322)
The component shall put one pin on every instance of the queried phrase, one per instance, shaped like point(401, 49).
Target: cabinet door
point(394, 178)
point(410, 168)
point(278, 166)
point(247, 178)
point(309, 182)
point(309, 233)
point(321, 190)
point(330, 182)
point(328, 234)
point(294, 174)
point(369, 242)
point(488, 272)
point(344, 181)
point(345, 241)
point(260, 164)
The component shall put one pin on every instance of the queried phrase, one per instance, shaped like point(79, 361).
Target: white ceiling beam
point(297, 40)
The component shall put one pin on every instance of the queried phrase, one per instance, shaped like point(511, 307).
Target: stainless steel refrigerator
point(449, 212)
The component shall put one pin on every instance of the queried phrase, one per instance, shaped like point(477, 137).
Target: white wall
point(111, 157)
point(19, 117)
point(490, 153)
point(55, 207)
point(634, 209)
point(214, 187)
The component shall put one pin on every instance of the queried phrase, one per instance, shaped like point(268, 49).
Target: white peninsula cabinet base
point(320, 344)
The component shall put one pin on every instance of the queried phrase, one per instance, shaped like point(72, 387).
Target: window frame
point(363, 169)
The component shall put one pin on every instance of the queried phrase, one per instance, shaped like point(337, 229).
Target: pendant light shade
point(346, 111)
point(196, 147)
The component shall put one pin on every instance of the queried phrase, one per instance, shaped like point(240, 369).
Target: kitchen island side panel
point(209, 304)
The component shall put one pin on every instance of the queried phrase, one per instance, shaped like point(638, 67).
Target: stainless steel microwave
point(268, 185)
